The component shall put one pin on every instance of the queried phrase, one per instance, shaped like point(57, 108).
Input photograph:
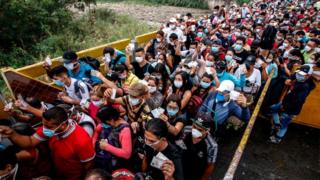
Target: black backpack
point(93, 62)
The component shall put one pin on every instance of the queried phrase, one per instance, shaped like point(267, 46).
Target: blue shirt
point(84, 74)
point(237, 82)
point(122, 60)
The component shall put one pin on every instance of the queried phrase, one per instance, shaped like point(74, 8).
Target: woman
point(231, 63)
point(163, 76)
point(155, 98)
point(173, 118)
point(181, 88)
point(116, 142)
point(152, 46)
point(155, 135)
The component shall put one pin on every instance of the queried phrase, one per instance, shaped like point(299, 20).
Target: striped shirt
point(137, 114)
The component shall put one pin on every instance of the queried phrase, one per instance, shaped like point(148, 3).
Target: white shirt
point(82, 95)
point(168, 31)
point(254, 79)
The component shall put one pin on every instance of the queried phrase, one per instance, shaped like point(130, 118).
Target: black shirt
point(240, 57)
point(173, 153)
point(176, 58)
point(141, 71)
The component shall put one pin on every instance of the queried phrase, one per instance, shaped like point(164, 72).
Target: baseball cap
point(226, 85)
point(305, 70)
point(203, 120)
point(69, 56)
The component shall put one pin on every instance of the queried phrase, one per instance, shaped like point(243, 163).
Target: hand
point(244, 70)
point(103, 143)
point(263, 65)
point(242, 101)
point(126, 89)
point(288, 82)
point(46, 66)
point(21, 105)
point(6, 131)
point(66, 99)
point(108, 93)
point(61, 94)
point(164, 117)
point(128, 50)
point(135, 127)
point(168, 170)
point(8, 107)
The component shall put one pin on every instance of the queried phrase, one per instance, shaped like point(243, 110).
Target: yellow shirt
point(131, 79)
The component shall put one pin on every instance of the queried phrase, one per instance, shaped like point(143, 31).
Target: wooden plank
point(36, 70)
point(144, 38)
point(310, 114)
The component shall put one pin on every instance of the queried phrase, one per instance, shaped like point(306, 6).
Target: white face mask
point(196, 133)
point(97, 103)
point(158, 39)
point(69, 66)
point(268, 60)
point(139, 59)
point(172, 26)
point(178, 84)
point(317, 50)
point(152, 89)
point(209, 63)
point(307, 48)
point(107, 58)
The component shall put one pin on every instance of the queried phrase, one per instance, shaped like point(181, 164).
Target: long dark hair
point(268, 37)
point(186, 84)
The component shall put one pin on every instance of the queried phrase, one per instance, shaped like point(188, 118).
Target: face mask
point(237, 34)
point(58, 83)
point(200, 34)
point(209, 63)
point(214, 49)
point(178, 84)
point(196, 133)
point(122, 76)
point(152, 89)
point(220, 97)
point(182, 27)
point(307, 48)
point(268, 60)
point(158, 40)
point(185, 70)
point(299, 39)
point(258, 30)
point(206, 31)
point(107, 58)
point(220, 74)
point(204, 85)
point(317, 50)
point(285, 45)
point(134, 101)
point(172, 112)
point(300, 78)
point(228, 58)
point(97, 103)
point(237, 47)
point(152, 145)
point(48, 132)
point(69, 66)
point(139, 59)
point(172, 26)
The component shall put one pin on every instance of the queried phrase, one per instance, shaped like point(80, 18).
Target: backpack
point(104, 134)
point(93, 62)
point(77, 88)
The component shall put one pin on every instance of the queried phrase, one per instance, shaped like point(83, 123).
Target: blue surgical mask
point(172, 112)
point(200, 34)
point(134, 101)
point(214, 49)
point(58, 83)
point(48, 132)
point(206, 31)
point(228, 58)
point(237, 47)
point(220, 97)
point(204, 85)
point(300, 78)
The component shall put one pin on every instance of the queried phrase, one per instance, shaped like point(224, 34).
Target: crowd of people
point(158, 111)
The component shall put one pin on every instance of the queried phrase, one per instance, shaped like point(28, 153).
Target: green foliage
point(32, 29)
point(181, 3)
point(240, 2)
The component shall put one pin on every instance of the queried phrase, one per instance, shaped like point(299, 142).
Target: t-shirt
point(140, 72)
point(69, 150)
point(120, 57)
point(176, 58)
point(84, 74)
point(254, 81)
point(83, 92)
point(155, 100)
point(177, 31)
point(240, 57)
point(173, 153)
point(197, 156)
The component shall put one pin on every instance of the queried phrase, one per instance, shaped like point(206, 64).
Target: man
point(240, 54)
point(282, 113)
point(113, 57)
point(174, 52)
point(221, 106)
point(141, 66)
point(78, 70)
point(199, 148)
point(309, 50)
point(174, 29)
point(76, 91)
point(71, 147)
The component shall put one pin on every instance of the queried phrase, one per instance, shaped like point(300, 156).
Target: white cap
point(173, 20)
point(226, 85)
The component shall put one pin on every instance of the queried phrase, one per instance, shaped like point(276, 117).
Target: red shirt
point(93, 112)
point(69, 151)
